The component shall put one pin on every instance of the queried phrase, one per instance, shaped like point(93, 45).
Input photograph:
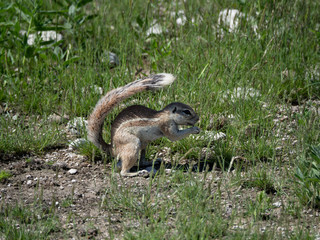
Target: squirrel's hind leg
point(129, 155)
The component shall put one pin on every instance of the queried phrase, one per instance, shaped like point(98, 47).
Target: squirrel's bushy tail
point(114, 97)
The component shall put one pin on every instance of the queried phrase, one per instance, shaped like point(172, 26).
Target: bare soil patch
point(77, 190)
point(66, 182)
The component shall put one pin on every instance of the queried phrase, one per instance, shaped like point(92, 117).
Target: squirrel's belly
point(146, 133)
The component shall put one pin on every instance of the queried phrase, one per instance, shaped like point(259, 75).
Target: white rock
point(111, 58)
point(155, 29)
point(77, 143)
point(181, 20)
point(241, 93)
point(219, 135)
point(277, 204)
point(15, 117)
point(72, 171)
point(44, 35)
point(230, 19)
point(77, 125)
point(29, 182)
point(71, 155)
point(210, 136)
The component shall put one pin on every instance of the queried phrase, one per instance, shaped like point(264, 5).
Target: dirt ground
point(65, 180)
point(76, 189)
point(70, 184)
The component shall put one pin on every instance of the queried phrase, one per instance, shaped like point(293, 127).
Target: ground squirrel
point(136, 126)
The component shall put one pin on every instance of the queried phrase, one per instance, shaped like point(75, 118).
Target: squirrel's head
point(182, 114)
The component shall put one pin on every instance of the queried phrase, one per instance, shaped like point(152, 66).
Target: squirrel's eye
point(187, 112)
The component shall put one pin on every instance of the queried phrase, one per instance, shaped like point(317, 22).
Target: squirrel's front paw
point(196, 130)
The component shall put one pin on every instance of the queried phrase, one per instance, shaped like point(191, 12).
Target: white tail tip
point(166, 78)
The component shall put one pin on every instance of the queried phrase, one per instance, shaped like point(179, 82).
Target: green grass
point(18, 222)
point(28, 134)
point(308, 177)
point(261, 180)
point(190, 208)
point(4, 175)
point(281, 64)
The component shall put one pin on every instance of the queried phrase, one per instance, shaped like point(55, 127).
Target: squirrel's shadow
point(197, 167)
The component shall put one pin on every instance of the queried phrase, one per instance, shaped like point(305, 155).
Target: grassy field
point(255, 78)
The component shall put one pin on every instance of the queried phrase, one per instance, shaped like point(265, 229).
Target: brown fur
point(136, 126)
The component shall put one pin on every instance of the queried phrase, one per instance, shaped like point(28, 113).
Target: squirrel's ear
point(174, 110)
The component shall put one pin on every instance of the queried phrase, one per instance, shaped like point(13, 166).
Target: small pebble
point(277, 204)
point(72, 171)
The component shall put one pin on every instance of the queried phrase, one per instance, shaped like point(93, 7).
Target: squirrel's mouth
point(193, 122)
